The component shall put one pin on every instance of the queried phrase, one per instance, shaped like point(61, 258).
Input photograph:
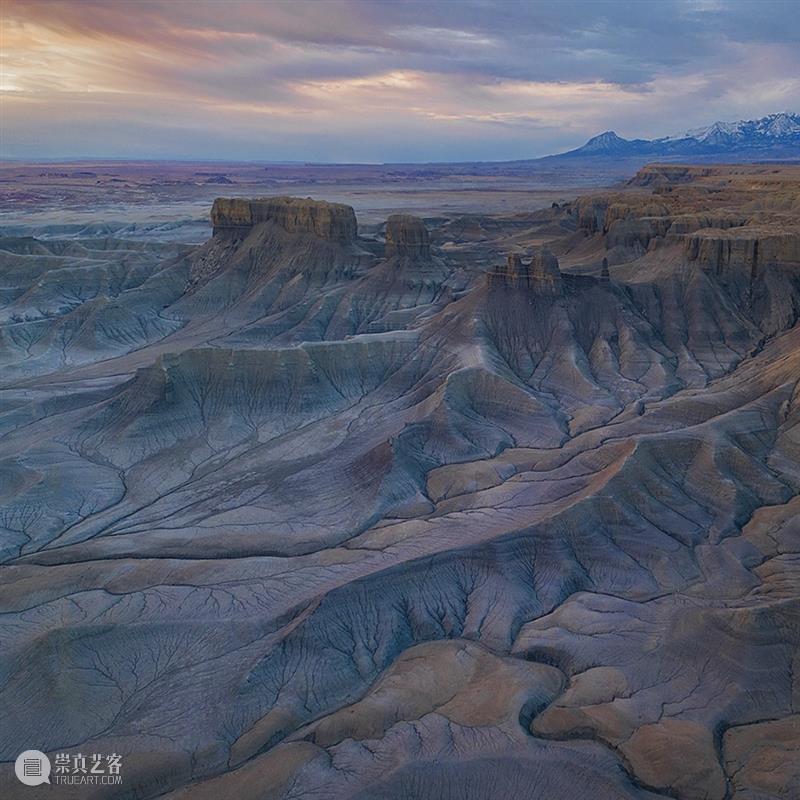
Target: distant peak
point(777, 131)
point(607, 137)
point(606, 142)
point(783, 124)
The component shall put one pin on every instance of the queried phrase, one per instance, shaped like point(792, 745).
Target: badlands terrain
point(472, 504)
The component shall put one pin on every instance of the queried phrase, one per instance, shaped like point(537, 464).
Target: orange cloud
point(523, 82)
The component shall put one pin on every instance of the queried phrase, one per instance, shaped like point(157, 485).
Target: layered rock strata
point(407, 236)
point(334, 221)
point(541, 273)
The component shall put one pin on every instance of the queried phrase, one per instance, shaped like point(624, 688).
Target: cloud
point(382, 81)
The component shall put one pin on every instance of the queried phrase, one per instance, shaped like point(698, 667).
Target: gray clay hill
point(466, 508)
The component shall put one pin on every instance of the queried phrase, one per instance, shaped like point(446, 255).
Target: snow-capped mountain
point(774, 126)
point(607, 142)
point(776, 135)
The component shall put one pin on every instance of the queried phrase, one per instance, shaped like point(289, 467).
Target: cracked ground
point(309, 511)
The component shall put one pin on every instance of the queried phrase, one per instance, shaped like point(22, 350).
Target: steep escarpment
point(598, 344)
point(661, 175)
point(407, 236)
point(633, 225)
point(735, 227)
point(410, 282)
point(541, 273)
point(680, 201)
point(276, 269)
point(311, 237)
point(333, 221)
point(297, 285)
point(745, 247)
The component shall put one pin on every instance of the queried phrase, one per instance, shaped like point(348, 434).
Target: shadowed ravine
point(303, 513)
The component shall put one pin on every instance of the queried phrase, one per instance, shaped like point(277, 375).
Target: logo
point(33, 768)
point(71, 769)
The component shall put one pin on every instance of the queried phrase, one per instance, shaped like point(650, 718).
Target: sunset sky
point(382, 81)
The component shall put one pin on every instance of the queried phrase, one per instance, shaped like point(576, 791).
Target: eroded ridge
point(466, 507)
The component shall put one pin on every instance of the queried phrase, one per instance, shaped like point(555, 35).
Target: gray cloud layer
point(342, 80)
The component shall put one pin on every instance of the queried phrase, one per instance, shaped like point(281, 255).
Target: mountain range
point(776, 135)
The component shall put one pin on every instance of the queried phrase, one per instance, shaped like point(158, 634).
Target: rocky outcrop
point(688, 223)
point(407, 236)
point(332, 221)
point(655, 175)
point(598, 213)
point(745, 248)
point(542, 273)
point(227, 213)
point(633, 231)
point(645, 232)
point(515, 274)
point(633, 226)
point(630, 209)
point(590, 213)
point(544, 270)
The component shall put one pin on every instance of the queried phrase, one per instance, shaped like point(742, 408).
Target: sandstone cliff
point(541, 273)
point(407, 235)
point(743, 248)
point(333, 221)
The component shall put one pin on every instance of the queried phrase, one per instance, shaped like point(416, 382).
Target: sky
point(381, 81)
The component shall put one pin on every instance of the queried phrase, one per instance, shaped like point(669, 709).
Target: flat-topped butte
point(334, 221)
